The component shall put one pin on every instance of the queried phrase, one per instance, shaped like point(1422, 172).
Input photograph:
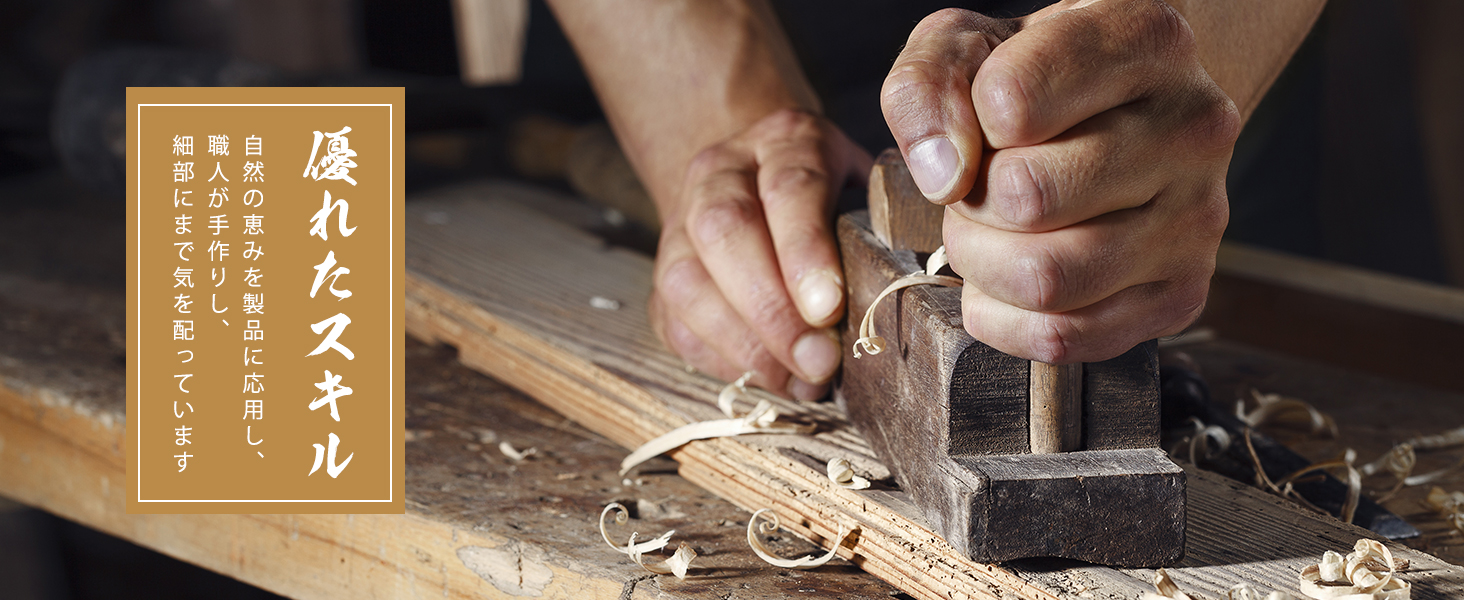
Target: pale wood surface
point(483, 278)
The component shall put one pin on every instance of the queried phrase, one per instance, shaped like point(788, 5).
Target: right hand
point(747, 274)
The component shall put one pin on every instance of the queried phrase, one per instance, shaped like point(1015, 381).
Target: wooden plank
point(1374, 322)
point(482, 277)
point(477, 525)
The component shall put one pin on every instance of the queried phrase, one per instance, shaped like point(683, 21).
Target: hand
point(1081, 154)
point(747, 274)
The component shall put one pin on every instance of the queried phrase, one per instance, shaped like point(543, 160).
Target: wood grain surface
point(481, 280)
point(478, 525)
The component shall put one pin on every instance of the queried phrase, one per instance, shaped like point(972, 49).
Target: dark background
point(1356, 156)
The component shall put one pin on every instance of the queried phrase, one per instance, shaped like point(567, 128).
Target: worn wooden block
point(950, 416)
point(899, 214)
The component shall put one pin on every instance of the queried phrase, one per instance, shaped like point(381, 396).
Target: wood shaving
point(508, 450)
point(1431, 476)
point(676, 565)
point(604, 303)
point(762, 419)
point(842, 474)
point(1449, 505)
point(1275, 408)
point(1166, 589)
point(1448, 439)
point(1365, 574)
point(1206, 442)
point(868, 339)
point(731, 391)
point(769, 525)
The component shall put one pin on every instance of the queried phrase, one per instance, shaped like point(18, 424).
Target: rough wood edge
point(1330, 279)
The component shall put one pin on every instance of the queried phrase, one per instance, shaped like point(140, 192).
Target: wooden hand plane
point(1008, 458)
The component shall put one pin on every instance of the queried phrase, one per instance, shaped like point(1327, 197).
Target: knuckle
point(788, 122)
point(944, 20)
point(1022, 197)
point(1040, 281)
point(1155, 22)
point(709, 160)
point(678, 281)
point(1011, 91)
point(1217, 125)
point(713, 223)
point(910, 93)
point(1185, 304)
point(1212, 215)
point(1054, 339)
point(793, 183)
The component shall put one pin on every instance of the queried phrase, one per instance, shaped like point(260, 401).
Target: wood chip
point(1365, 574)
point(676, 565)
point(842, 474)
point(770, 525)
point(762, 419)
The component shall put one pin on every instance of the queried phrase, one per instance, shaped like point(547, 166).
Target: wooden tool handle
point(1056, 408)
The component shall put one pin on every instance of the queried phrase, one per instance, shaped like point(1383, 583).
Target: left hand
point(1081, 154)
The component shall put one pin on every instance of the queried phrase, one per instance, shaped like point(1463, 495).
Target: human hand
point(1081, 154)
point(747, 274)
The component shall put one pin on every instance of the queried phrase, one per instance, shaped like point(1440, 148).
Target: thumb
point(927, 102)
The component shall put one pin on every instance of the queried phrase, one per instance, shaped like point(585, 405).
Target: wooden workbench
point(480, 524)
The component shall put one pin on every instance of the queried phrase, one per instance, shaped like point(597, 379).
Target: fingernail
point(817, 355)
point(805, 391)
point(819, 294)
point(933, 164)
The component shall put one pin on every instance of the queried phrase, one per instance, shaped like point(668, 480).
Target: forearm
point(1244, 44)
point(677, 76)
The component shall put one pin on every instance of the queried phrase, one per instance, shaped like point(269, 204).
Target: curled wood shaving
point(1207, 441)
point(842, 474)
point(1444, 502)
point(1399, 461)
point(676, 565)
point(1278, 409)
point(731, 391)
point(868, 339)
point(769, 525)
point(1354, 481)
point(508, 450)
point(1166, 589)
point(1449, 505)
point(1453, 437)
point(762, 419)
point(1431, 476)
point(1365, 574)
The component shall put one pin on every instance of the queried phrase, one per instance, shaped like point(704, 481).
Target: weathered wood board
point(478, 525)
point(511, 288)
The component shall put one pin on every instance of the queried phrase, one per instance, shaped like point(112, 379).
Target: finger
point(681, 340)
point(691, 298)
point(797, 193)
point(927, 102)
point(727, 226)
point(1114, 161)
point(1093, 333)
point(1059, 270)
point(1073, 64)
